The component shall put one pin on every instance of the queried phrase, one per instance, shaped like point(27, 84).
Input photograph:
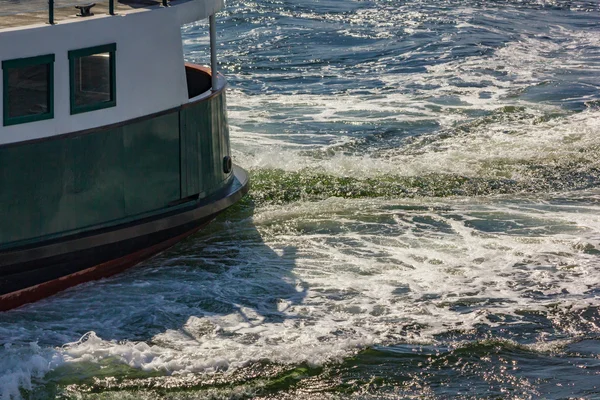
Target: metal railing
point(13, 7)
point(10, 7)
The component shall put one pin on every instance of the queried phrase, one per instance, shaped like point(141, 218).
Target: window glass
point(92, 75)
point(28, 90)
point(92, 79)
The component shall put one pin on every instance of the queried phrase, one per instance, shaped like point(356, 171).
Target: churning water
point(424, 220)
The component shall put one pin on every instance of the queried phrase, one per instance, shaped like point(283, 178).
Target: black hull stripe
point(48, 288)
point(37, 272)
point(12, 261)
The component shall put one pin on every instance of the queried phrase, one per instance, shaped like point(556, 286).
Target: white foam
point(361, 282)
point(21, 366)
point(497, 150)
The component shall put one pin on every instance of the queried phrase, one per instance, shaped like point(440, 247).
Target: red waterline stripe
point(34, 293)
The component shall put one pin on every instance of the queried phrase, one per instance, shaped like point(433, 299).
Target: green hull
point(77, 182)
point(85, 205)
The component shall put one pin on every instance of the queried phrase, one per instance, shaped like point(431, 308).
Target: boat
point(112, 147)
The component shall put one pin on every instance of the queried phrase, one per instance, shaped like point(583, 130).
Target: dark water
point(424, 220)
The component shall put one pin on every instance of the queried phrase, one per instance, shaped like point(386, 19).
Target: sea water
point(424, 219)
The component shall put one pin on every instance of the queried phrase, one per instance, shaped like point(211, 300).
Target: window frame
point(90, 51)
point(48, 60)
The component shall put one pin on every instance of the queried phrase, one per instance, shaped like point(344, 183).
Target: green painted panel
point(204, 143)
point(60, 185)
point(206, 150)
point(68, 184)
point(223, 134)
point(217, 175)
point(92, 180)
point(31, 180)
point(190, 136)
point(205, 125)
point(183, 178)
point(225, 143)
point(151, 163)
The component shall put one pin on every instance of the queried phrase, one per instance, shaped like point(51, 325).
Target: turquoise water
point(424, 220)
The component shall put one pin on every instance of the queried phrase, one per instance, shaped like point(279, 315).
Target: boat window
point(28, 89)
point(93, 80)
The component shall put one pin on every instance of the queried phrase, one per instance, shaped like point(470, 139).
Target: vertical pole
point(213, 51)
point(51, 12)
point(111, 7)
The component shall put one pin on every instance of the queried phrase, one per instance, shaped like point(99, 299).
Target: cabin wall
point(65, 185)
point(150, 73)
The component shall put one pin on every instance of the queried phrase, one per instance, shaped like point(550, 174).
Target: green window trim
point(48, 60)
point(90, 51)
